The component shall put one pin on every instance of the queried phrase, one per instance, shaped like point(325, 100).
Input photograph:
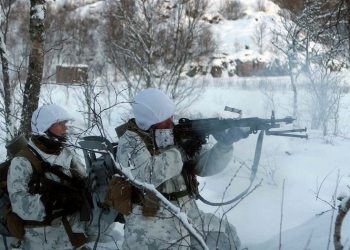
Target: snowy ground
point(295, 170)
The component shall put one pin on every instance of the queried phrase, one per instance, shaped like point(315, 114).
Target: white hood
point(47, 115)
point(152, 106)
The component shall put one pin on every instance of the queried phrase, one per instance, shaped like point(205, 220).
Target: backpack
point(4, 198)
point(11, 225)
point(5, 204)
point(115, 190)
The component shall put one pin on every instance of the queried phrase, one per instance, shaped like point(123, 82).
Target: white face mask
point(164, 137)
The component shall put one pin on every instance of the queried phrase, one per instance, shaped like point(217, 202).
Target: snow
point(39, 12)
point(306, 167)
point(297, 180)
point(301, 172)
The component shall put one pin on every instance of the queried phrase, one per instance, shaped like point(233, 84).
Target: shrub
point(232, 9)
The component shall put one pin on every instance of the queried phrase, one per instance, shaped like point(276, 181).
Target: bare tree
point(5, 90)
point(347, 18)
point(36, 63)
point(342, 212)
point(261, 5)
point(332, 204)
point(232, 9)
point(58, 27)
point(259, 35)
point(294, 6)
point(324, 56)
point(310, 42)
point(325, 94)
point(288, 39)
point(339, 9)
point(12, 57)
point(151, 42)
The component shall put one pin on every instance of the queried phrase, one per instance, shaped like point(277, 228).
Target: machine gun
point(99, 162)
point(200, 129)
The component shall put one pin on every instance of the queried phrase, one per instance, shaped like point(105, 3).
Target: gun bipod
point(285, 133)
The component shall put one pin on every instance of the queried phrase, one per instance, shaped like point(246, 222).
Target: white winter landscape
point(297, 179)
point(293, 200)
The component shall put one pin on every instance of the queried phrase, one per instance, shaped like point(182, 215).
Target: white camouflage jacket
point(164, 231)
point(29, 207)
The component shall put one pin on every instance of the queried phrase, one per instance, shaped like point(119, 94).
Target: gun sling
point(77, 239)
point(252, 174)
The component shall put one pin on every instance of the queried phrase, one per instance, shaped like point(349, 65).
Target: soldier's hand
point(232, 135)
point(191, 149)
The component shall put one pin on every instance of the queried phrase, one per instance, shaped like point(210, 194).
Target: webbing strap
point(175, 195)
point(252, 174)
point(59, 173)
point(77, 239)
point(36, 160)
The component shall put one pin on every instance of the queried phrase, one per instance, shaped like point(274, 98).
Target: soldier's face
point(167, 124)
point(59, 129)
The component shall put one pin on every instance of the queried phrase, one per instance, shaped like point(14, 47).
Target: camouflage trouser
point(46, 238)
point(161, 232)
point(55, 236)
point(165, 231)
point(217, 233)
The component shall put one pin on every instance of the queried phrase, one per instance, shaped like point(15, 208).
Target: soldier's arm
point(27, 206)
point(214, 160)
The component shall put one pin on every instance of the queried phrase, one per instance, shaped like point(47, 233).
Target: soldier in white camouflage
point(147, 147)
point(50, 216)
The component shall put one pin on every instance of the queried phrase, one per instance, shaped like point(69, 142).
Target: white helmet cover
point(47, 115)
point(152, 106)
